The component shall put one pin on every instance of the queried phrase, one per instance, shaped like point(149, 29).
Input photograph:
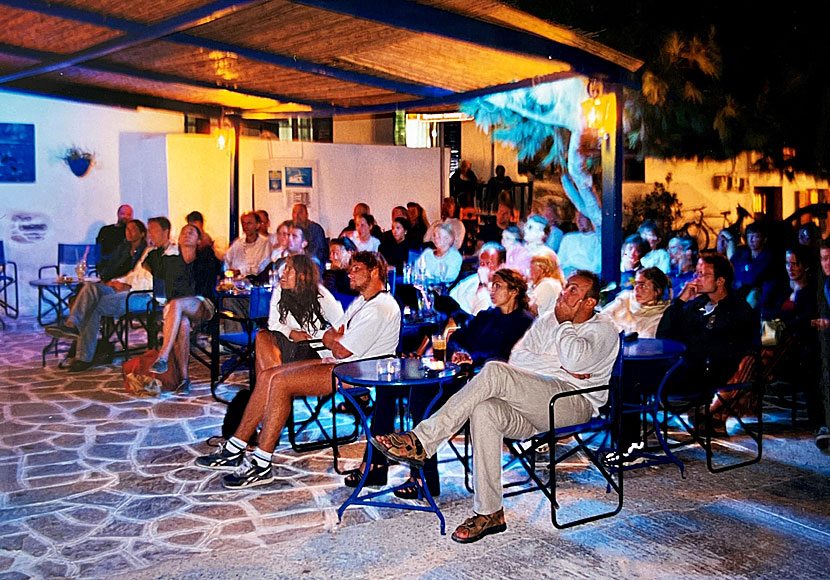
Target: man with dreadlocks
point(368, 328)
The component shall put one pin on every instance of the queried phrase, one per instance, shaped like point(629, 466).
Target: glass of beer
point(439, 347)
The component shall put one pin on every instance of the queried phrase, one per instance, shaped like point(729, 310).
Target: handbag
point(772, 331)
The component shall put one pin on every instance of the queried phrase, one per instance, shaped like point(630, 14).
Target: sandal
point(479, 526)
point(411, 489)
point(376, 478)
point(402, 447)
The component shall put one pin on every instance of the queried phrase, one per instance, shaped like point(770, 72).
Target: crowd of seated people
point(711, 301)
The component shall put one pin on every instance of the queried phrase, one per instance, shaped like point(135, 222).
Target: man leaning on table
point(569, 348)
point(370, 327)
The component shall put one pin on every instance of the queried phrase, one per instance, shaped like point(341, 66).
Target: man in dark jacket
point(717, 327)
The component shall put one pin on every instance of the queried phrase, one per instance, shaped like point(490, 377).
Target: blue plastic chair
point(8, 281)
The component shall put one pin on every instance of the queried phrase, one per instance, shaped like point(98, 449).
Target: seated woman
point(490, 335)
point(656, 256)
point(535, 234)
point(396, 248)
point(640, 310)
point(362, 236)
point(546, 282)
point(518, 256)
point(190, 285)
point(301, 310)
point(443, 263)
point(795, 302)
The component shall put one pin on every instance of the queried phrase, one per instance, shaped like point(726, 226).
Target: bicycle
point(699, 229)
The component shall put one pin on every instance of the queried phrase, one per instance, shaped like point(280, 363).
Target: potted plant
point(78, 160)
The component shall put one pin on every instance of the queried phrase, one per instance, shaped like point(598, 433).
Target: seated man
point(567, 349)
point(717, 327)
point(336, 278)
point(250, 253)
point(473, 292)
point(370, 327)
point(96, 300)
point(109, 238)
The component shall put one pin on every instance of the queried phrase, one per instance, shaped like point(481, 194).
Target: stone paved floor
point(96, 483)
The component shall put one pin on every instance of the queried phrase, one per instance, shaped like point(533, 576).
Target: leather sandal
point(412, 489)
point(402, 447)
point(376, 478)
point(479, 526)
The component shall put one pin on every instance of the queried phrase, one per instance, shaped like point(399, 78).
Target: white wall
point(74, 208)
point(381, 175)
point(477, 149)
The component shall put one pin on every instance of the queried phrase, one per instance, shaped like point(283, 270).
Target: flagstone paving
point(95, 483)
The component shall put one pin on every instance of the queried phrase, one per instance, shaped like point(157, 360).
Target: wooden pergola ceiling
point(281, 57)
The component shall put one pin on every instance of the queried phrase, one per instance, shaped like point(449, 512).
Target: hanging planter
point(78, 160)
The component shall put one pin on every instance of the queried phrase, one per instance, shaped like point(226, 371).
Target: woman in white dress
point(546, 282)
point(442, 264)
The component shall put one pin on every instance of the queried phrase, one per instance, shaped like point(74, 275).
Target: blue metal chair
point(597, 439)
point(68, 256)
point(8, 281)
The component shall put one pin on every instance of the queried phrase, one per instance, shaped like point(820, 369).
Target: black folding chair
point(733, 398)
point(8, 281)
point(598, 440)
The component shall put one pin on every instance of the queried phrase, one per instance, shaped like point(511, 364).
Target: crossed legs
point(179, 314)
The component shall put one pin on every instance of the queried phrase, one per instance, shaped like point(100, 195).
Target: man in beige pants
point(569, 348)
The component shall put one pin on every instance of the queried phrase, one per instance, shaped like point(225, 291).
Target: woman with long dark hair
point(301, 311)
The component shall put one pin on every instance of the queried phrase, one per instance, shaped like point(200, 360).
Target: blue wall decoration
point(17, 153)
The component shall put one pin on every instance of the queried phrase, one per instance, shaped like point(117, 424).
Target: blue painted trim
point(78, 15)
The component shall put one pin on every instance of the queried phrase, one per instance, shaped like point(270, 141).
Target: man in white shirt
point(370, 327)
point(250, 253)
point(473, 292)
point(566, 349)
point(581, 250)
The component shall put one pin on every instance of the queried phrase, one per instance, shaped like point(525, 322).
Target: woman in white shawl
point(640, 310)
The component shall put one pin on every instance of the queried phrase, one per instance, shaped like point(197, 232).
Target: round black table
point(388, 372)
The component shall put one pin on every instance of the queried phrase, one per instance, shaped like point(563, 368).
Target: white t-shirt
point(548, 348)
point(580, 251)
point(371, 328)
point(371, 246)
point(544, 295)
point(443, 269)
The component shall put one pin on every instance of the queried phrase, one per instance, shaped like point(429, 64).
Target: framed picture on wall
point(298, 177)
point(17, 153)
point(275, 180)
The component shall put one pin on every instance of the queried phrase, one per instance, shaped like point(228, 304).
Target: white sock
point(261, 458)
point(235, 445)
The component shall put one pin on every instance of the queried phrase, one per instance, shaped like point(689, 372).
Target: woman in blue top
point(442, 264)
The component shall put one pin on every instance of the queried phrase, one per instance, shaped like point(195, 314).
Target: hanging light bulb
point(599, 109)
